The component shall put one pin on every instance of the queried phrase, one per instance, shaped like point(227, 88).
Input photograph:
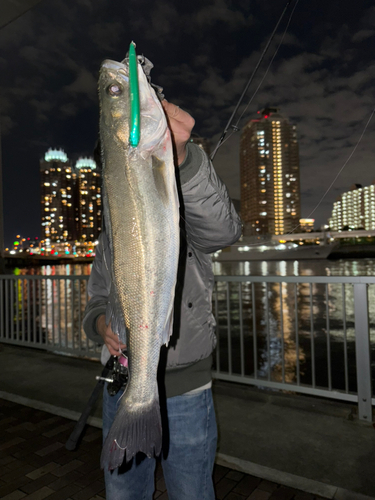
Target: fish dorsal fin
point(160, 177)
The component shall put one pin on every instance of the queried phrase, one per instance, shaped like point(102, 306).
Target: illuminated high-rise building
point(354, 209)
point(57, 198)
point(89, 200)
point(270, 179)
point(306, 225)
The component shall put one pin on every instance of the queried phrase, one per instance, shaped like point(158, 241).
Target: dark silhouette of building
point(270, 179)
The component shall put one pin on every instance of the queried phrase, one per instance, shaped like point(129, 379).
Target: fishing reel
point(118, 374)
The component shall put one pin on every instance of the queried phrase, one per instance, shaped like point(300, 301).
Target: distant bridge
point(323, 235)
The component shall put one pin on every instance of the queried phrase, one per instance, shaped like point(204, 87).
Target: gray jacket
point(209, 222)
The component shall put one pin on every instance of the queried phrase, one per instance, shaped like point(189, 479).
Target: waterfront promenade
point(271, 445)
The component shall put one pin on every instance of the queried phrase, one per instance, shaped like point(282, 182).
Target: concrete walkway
point(306, 443)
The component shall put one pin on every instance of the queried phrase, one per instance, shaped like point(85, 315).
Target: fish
point(141, 215)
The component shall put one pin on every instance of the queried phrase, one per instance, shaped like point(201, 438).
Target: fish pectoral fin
point(160, 178)
point(115, 315)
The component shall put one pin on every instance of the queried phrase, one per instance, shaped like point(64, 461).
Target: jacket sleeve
point(211, 221)
point(98, 293)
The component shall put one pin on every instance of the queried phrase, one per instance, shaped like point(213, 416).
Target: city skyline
point(203, 52)
point(87, 165)
point(70, 199)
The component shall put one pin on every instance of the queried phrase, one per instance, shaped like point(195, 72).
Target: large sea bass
point(142, 222)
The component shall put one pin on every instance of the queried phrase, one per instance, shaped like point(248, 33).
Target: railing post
point(362, 349)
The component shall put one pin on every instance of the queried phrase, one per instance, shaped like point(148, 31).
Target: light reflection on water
point(323, 267)
point(57, 270)
point(51, 311)
point(348, 267)
point(283, 347)
point(301, 326)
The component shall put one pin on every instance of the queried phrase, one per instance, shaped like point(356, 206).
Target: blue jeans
point(187, 458)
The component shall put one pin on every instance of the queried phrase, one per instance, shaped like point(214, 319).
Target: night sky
point(203, 51)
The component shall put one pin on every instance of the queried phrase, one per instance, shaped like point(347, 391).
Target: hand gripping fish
point(141, 212)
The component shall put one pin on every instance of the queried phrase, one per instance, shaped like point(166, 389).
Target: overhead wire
point(235, 127)
point(339, 172)
point(268, 67)
point(12, 19)
point(250, 81)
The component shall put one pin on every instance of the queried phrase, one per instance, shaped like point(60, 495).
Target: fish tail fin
point(132, 432)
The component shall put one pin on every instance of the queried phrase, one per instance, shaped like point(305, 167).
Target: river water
point(348, 267)
point(272, 334)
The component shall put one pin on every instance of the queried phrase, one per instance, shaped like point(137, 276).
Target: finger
point(175, 112)
point(110, 334)
point(114, 344)
point(113, 337)
point(171, 109)
point(113, 352)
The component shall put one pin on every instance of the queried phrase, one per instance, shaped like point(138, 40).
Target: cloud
point(363, 35)
point(106, 36)
point(85, 83)
point(69, 109)
point(221, 11)
point(7, 124)
point(42, 108)
point(330, 103)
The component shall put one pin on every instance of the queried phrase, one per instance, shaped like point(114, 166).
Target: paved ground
point(34, 464)
point(302, 443)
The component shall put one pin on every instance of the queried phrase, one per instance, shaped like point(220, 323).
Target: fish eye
point(114, 89)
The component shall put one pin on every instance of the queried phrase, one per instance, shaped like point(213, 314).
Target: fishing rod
point(249, 82)
point(235, 127)
point(17, 12)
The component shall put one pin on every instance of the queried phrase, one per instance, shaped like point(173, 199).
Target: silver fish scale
point(144, 252)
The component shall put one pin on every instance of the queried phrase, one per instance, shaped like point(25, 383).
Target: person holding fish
point(165, 212)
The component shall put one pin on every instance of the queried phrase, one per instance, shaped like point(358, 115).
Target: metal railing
point(46, 312)
point(307, 334)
